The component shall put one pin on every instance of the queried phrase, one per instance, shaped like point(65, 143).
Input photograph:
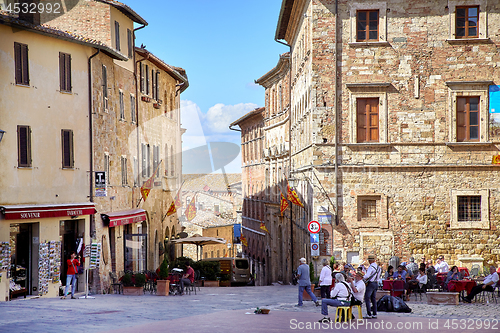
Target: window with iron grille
point(467, 119)
point(368, 208)
point(124, 171)
point(367, 120)
point(21, 64)
point(469, 208)
point(65, 71)
point(117, 35)
point(67, 148)
point(466, 22)
point(367, 26)
point(23, 146)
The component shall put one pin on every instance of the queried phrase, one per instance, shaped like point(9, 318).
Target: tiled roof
point(177, 72)
point(129, 12)
point(7, 19)
point(214, 181)
point(257, 111)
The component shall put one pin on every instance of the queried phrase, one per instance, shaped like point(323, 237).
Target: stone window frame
point(469, 89)
point(382, 22)
point(485, 216)
point(383, 114)
point(380, 221)
point(482, 24)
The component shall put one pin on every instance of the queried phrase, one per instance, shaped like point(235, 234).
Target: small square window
point(367, 26)
point(467, 22)
point(469, 208)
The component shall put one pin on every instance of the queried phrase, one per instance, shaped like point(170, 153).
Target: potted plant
point(209, 270)
point(225, 280)
point(133, 284)
point(162, 284)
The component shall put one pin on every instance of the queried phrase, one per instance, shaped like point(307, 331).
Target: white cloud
point(219, 116)
point(191, 120)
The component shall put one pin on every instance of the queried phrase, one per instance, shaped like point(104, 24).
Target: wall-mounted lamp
point(1, 135)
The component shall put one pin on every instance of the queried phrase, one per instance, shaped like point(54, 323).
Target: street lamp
point(1, 135)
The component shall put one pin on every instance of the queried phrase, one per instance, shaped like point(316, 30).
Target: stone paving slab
point(211, 307)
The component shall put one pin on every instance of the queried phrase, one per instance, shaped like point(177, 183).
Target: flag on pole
point(191, 210)
point(175, 204)
point(148, 185)
point(496, 159)
point(283, 204)
point(243, 240)
point(263, 227)
point(293, 197)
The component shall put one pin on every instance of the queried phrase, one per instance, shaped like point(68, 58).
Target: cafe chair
point(116, 285)
point(489, 296)
point(398, 286)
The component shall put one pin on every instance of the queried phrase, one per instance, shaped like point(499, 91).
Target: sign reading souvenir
point(314, 227)
point(100, 184)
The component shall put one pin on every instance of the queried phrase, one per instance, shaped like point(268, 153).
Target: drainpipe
point(289, 142)
point(335, 107)
point(136, 111)
point(91, 144)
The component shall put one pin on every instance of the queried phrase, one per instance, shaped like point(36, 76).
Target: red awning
point(25, 212)
point(123, 217)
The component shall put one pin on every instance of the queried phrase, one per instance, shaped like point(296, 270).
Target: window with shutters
point(141, 75)
point(23, 146)
point(147, 79)
point(122, 105)
point(153, 84)
point(124, 171)
point(144, 160)
point(105, 88)
point(67, 149)
point(367, 26)
point(157, 89)
point(468, 119)
point(166, 160)
point(130, 41)
point(172, 161)
point(367, 120)
point(132, 108)
point(467, 22)
point(65, 71)
point(106, 168)
point(117, 35)
point(21, 64)
point(148, 160)
point(156, 153)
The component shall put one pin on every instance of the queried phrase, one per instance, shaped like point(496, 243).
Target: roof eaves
point(129, 12)
point(174, 71)
point(247, 116)
point(59, 34)
point(284, 18)
point(281, 62)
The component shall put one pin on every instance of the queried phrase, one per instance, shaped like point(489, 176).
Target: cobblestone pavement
point(211, 310)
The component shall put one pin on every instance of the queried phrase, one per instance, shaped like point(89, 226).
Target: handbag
point(350, 297)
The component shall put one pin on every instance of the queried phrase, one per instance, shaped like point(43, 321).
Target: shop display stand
point(86, 285)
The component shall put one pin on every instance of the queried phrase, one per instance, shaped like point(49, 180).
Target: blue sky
point(224, 46)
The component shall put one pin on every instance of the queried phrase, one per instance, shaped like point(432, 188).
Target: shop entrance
point(71, 232)
point(24, 257)
point(135, 247)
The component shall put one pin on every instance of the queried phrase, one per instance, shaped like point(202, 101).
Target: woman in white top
point(421, 278)
point(325, 279)
point(339, 296)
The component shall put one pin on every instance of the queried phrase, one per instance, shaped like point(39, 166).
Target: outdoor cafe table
point(387, 285)
point(462, 285)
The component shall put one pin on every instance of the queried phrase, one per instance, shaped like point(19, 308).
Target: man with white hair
point(305, 282)
point(339, 297)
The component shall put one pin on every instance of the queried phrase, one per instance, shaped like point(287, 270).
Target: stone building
point(45, 153)
point(393, 125)
point(218, 207)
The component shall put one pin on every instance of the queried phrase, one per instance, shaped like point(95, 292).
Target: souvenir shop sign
point(20, 212)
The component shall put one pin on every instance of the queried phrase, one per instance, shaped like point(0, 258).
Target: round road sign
point(314, 227)
point(315, 246)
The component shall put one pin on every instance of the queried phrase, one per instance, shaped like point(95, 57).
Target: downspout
point(91, 144)
point(136, 113)
point(335, 107)
point(289, 142)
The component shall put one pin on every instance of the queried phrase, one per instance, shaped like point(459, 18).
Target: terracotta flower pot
point(162, 287)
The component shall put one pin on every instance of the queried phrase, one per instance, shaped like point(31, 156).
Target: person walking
point(371, 277)
point(305, 282)
point(325, 279)
point(73, 264)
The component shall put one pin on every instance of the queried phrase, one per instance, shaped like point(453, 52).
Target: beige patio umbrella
point(200, 241)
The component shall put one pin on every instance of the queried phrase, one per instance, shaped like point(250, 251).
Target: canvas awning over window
point(122, 217)
point(20, 212)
